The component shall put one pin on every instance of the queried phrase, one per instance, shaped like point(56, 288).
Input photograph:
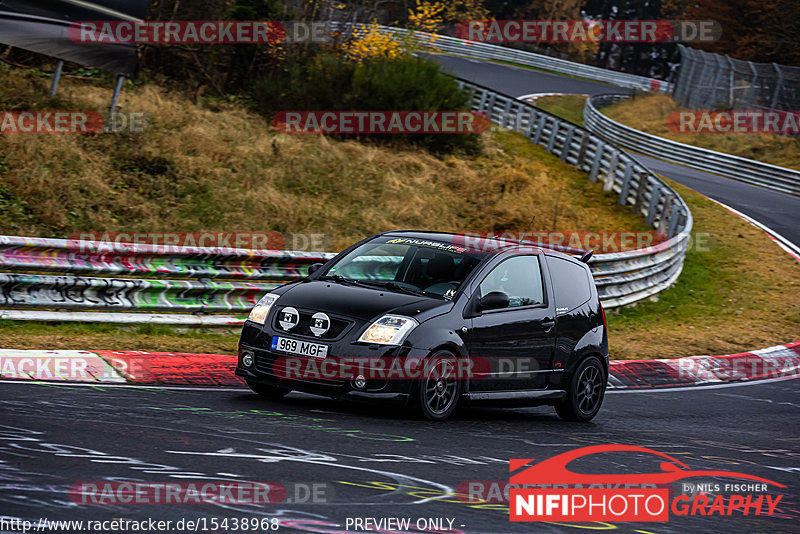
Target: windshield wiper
point(372, 284)
point(342, 280)
point(394, 286)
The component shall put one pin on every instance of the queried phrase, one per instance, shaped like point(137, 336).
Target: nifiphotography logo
point(549, 491)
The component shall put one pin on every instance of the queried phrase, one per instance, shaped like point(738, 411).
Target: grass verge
point(214, 166)
point(737, 293)
point(569, 107)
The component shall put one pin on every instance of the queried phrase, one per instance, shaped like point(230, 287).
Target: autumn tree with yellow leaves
point(371, 42)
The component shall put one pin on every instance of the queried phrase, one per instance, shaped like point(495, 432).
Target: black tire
point(268, 392)
point(439, 388)
point(586, 391)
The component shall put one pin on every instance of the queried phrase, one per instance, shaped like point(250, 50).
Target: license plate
point(294, 346)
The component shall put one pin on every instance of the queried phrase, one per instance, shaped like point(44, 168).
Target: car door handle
point(548, 325)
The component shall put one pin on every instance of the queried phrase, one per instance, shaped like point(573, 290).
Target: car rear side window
point(570, 283)
point(519, 277)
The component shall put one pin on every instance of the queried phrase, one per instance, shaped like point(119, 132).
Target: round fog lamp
point(247, 359)
point(360, 382)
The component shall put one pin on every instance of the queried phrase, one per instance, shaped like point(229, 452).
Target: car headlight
point(389, 330)
point(259, 312)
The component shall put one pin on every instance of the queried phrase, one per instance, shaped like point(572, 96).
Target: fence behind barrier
point(712, 81)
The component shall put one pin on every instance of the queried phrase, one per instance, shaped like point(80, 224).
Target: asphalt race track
point(776, 210)
point(519, 81)
point(365, 461)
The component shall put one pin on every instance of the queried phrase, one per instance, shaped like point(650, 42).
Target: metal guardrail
point(742, 169)
point(139, 278)
point(625, 277)
point(492, 52)
point(129, 283)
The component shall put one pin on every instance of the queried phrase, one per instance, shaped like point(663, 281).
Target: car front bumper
point(333, 376)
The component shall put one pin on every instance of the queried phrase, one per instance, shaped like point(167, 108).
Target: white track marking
point(536, 96)
point(695, 388)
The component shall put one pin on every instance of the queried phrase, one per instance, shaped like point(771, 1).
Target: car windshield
point(418, 266)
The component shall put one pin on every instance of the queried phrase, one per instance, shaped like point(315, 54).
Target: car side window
point(570, 283)
point(519, 277)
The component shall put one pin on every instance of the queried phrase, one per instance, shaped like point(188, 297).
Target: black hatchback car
point(435, 320)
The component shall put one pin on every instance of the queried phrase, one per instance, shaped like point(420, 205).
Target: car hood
point(360, 303)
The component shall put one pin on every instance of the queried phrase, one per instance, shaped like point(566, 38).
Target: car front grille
point(338, 326)
point(271, 363)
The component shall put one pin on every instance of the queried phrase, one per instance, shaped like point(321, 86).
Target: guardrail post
point(644, 179)
point(626, 183)
point(611, 175)
point(56, 78)
point(655, 196)
point(518, 121)
point(553, 134)
point(539, 128)
point(533, 116)
point(482, 101)
point(567, 143)
point(506, 113)
point(663, 221)
point(490, 106)
point(673, 220)
point(582, 149)
point(598, 158)
point(115, 96)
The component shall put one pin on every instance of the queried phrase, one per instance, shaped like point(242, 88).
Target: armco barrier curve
point(135, 281)
point(625, 277)
point(492, 52)
point(745, 170)
point(181, 369)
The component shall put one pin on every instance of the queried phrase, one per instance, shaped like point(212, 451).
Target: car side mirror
point(494, 301)
point(314, 267)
